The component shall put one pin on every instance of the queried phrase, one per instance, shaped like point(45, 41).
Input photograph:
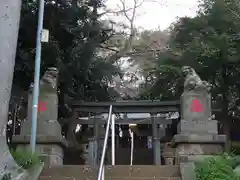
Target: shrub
point(216, 168)
point(25, 158)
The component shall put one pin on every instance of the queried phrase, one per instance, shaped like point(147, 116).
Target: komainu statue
point(48, 105)
point(193, 81)
point(48, 82)
point(49, 138)
point(49, 79)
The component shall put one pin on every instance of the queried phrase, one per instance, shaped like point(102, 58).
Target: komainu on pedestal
point(197, 132)
point(49, 138)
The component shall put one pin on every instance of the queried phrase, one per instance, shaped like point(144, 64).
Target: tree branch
point(108, 48)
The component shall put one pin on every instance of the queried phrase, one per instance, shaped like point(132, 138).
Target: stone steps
point(118, 172)
point(108, 178)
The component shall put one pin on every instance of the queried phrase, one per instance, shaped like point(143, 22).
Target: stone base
point(201, 127)
point(169, 157)
point(47, 128)
point(169, 160)
point(192, 145)
point(52, 155)
point(168, 154)
point(48, 147)
point(198, 139)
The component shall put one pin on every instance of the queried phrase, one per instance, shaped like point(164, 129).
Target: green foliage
point(216, 168)
point(210, 44)
point(76, 35)
point(25, 158)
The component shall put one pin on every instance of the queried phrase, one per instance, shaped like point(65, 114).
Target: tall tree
point(9, 19)
point(210, 44)
point(76, 35)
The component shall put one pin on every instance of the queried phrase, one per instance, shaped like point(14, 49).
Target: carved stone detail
point(193, 81)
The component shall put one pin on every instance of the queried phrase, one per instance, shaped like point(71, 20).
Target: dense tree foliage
point(210, 44)
point(74, 47)
point(76, 34)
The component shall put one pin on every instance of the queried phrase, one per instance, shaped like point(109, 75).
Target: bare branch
point(111, 11)
point(108, 48)
point(234, 13)
point(130, 13)
point(124, 8)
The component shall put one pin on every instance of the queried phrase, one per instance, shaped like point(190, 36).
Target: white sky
point(153, 15)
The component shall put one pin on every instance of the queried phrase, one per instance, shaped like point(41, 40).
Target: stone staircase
point(118, 172)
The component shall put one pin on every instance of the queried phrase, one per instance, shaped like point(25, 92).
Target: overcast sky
point(162, 14)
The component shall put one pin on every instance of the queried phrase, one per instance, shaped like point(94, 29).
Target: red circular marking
point(42, 106)
point(197, 106)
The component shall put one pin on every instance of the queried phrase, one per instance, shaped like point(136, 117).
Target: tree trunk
point(9, 25)
point(226, 120)
point(227, 132)
point(226, 123)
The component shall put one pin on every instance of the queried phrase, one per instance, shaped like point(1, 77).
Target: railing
point(101, 173)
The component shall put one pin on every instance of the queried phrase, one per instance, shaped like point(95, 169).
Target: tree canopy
point(210, 44)
point(76, 34)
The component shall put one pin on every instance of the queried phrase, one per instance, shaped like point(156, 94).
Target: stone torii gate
point(151, 107)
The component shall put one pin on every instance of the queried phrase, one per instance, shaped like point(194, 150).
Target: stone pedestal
point(197, 133)
point(198, 127)
point(49, 140)
point(192, 145)
point(168, 154)
point(169, 160)
point(49, 148)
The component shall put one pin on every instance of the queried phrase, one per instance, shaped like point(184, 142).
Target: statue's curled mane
point(193, 81)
